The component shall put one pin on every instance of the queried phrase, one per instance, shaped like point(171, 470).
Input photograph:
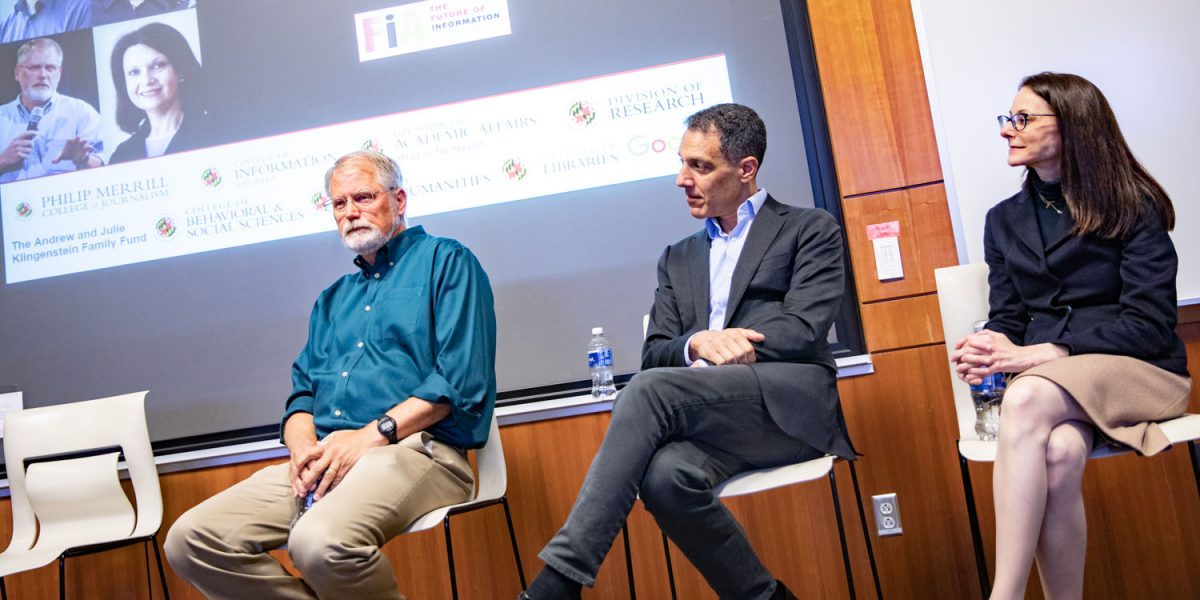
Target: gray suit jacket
point(788, 285)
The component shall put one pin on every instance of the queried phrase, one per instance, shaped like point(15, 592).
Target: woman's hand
point(986, 352)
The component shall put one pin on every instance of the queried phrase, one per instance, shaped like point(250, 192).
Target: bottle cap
point(979, 325)
point(597, 331)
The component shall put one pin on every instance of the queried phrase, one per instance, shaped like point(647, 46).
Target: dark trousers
point(675, 434)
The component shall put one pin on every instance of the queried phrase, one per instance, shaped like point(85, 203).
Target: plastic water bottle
point(987, 395)
point(600, 363)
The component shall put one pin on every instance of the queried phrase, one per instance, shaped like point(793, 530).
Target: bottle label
point(599, 358)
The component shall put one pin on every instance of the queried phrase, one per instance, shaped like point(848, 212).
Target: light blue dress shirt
point(724, 249)
point(52, 16)
point(65, 117)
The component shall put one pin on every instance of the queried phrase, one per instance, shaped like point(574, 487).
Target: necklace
point(1050, 205)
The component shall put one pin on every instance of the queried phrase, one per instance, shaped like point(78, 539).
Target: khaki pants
point(220, 546)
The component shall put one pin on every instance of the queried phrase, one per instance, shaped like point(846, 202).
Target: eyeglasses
point(1019, 120)
point(364, 200)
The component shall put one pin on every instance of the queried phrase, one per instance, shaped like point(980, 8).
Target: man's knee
point(642, 392)
point(321, 551)
point(671, 484)
point(183, 542)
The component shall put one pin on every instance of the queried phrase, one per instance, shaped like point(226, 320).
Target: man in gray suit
point(737, 374)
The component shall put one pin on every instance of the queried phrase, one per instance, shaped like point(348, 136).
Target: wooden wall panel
point(926, 240)
point(905, 81)
point(874, 94)
point(903, 323)
point(902, 420)
point(932, 228)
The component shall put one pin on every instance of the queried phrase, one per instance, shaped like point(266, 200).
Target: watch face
point(387, 427)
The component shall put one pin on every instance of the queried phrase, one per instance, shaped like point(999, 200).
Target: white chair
point(491, 487)
point(963, 297)
point(761, 480)
point(66, 493)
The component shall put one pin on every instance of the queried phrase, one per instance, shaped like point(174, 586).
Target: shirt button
point(337, 413)
point(367, 308)
point(391, 264)
point(377, 276)
point(360, 344)
point(345, 373)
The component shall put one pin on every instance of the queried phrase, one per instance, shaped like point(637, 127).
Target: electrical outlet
point(887, 515)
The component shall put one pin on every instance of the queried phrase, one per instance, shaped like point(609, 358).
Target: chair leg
point(3, 590)
point(512, 536)
point(162, 574)
point(450, 558)
point(862, 517)
point(837, 511)
point(149, 581)
point(670, 569)
point(62, 578)
point(1194, 451)
point(628, 560)
point(985, 586)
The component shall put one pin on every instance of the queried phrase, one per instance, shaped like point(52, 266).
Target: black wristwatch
point(387, 428)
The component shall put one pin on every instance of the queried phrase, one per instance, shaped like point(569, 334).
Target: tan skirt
point(1123, 396)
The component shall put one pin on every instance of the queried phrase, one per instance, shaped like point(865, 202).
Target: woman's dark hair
point(1107, 189)
point(171, 43)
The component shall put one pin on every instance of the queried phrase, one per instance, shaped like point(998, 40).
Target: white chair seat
point(752, 482)
point(1183, 429)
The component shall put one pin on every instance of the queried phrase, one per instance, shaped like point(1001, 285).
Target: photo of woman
point(157, 81)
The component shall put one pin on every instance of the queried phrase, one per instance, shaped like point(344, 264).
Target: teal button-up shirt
point(419, 322)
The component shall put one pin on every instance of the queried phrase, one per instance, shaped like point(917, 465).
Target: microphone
point(35, 116)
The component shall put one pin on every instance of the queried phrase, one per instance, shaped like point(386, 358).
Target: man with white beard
point(45, 132)
point(396, 382)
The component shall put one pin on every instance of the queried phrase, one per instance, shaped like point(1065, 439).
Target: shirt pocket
point(400, 311)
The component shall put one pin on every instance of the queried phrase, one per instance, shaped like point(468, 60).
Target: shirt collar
point(23, 6)
point(108, 3)
point(391, 251)
point(24, 112)
point(745, 214)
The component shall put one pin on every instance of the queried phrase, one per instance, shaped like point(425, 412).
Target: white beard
point(39, 95)
point(367, 241)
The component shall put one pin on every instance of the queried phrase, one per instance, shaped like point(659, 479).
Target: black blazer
point(195, 131)
point(788, 285)
point(1093, 296)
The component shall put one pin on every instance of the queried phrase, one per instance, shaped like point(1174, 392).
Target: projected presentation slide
point(126, 165)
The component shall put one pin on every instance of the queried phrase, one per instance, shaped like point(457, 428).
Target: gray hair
point(387, 172)
point(29, 46)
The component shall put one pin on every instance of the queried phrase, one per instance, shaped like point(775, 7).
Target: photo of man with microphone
point(45, 132)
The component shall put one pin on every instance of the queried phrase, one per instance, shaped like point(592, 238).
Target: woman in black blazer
point(1083, 310)
point(158, 83)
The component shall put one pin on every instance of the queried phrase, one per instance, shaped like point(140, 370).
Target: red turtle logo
point(211, 177)
point(514, 169)
point(372, 145)
point(582, 113)
point(320, 201)
point(165, 227)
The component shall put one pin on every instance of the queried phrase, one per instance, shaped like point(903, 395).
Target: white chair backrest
point(493, 474)
point(963, 297)
point(76, 427)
